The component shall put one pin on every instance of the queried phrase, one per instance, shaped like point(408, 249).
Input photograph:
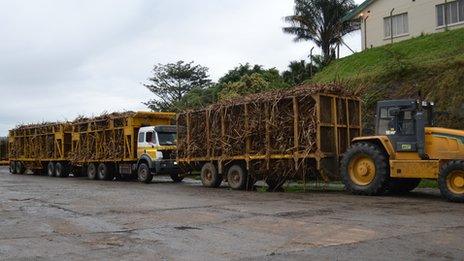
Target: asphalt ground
point(44, 218)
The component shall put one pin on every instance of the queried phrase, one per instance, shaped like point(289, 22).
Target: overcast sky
point(64, 58)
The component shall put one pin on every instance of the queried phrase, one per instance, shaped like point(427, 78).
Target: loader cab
point(404, 122)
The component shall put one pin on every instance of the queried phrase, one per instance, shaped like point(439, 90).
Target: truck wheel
point(51, 169)
point(104, 172)
point(61, 170)
point(91, 171)
point(209, 176)
point(451, 181)
point(237, 177)
point(13, 167)
point(144, 173)
point(176, 177)
point(20, 168)
point(365, 170)
point(402, 186)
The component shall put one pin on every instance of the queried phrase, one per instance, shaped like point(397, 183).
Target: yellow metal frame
point(352, 129)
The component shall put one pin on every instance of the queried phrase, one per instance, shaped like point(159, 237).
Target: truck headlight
point(159, 155)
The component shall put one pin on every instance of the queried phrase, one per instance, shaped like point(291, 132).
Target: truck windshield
point(167, 138)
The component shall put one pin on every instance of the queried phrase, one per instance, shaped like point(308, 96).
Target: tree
point(320, 21)
point(172, 81)
point(298, 72)
point(253, 83)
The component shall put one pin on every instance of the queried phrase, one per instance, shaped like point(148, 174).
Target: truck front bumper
point(166, 167)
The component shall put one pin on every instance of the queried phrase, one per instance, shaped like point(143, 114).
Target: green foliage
point(432, 64)
point(171, 82)
point(298, 72)
point(320, 21)
point(246, 79)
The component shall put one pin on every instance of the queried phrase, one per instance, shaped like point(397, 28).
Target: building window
point(450, 13)
point(400, 25)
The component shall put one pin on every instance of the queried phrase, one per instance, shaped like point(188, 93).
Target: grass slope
point(433, 64)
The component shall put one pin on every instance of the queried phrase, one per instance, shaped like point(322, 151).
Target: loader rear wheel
point(451, 181)
point(237, 177)
point(51, 169)
point(402, 186)
point(365, 170)
point(105, 172)
point(144, 173)
point(13, 167)
point(209, 176)
point(20, 168)
point(61, 170)
point(92, 171)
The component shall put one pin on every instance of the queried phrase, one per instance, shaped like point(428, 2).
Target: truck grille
point(169, 154)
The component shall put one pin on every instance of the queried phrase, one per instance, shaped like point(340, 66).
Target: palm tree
point(320, 21)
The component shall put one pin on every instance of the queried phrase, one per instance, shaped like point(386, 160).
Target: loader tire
point(176, 177)
point(451, 181)
point(105, 172)
point(51, 169)
point(144, 173)
point(13, 167)
point(209, 176)
point(92, 171)
point(365, 170)
point(238, 178)
point(402, 186)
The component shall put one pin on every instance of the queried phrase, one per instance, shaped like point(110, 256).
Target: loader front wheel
point(451, 181)
point(51, 169)
point(144, 173)
point(209, 176)
point(365, 169)
point(92, 171)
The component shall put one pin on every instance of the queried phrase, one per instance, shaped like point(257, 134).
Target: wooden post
point(348, 133)
point(335, 122)
point(268, 134)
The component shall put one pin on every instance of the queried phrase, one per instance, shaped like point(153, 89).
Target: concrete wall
point(421, 15)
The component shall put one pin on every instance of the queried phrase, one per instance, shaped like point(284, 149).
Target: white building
point(386, 21)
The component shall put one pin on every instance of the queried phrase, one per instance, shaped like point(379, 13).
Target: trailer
point(4, 151)
point(130, 144)
point(276, 136)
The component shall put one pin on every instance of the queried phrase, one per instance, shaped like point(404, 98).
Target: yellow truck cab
point(156, 152)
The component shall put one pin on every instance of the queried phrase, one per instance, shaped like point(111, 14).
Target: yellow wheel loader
point(405, 149)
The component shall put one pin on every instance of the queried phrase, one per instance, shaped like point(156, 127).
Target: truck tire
point(237, 177)
point(402, 186)
point(209, 176)
point(365, 169)
point(20, 168)
point(451, 181)
point(61, 170)
point(176, 177)
point(13, 167)
point(92, 171)
point(105, 172)
point(144, 173)
point(51, 169)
